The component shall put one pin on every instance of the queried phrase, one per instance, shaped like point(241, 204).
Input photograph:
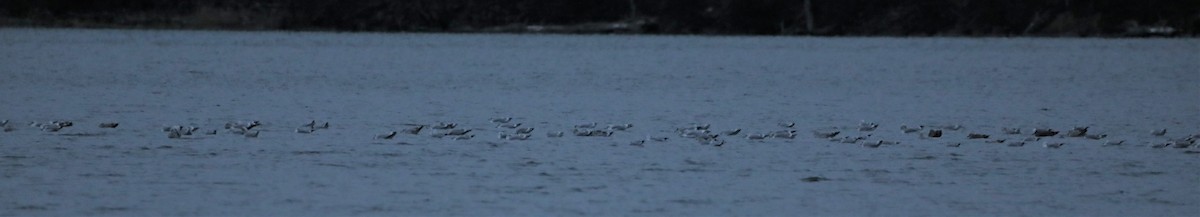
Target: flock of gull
point(701, 133)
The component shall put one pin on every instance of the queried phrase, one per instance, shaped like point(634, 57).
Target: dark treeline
point(760, 17)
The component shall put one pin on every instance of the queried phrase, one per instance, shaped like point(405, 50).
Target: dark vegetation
point(756, 17)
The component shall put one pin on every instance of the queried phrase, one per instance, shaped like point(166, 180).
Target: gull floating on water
point(638, 143)
point(1161, 132)
point(463, 137)
point(1053, 144)
point(414, 130)
point(524, 130)
point(1077, 132)
point(1044, 132)
point(109, 125)
point(1016, 144)
point(444, 126)
point(621, 127)
point(825, 135)
point(554, 134)
point(310, 124)
point(954, 144)
point(501, 120)
point(787, 124)
point(874, 144)
point(211, 132)
point(388, 135)
point(586, 125)
point(907, 129)
point(508, 125)
point(658, 139)
point(305, 129)
point(1113, 143)
point(757, 136)
point(977, 136)
point(174, 135)
point(732, 132)
point(787, 134)
point(456, 132)
point(252, 134)
point(1096, 137)
point(1011, 131)
point(867, 126)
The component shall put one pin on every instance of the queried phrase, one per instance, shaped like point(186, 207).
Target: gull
point(934, 133)
point(244, 125)
point(1016, 144)
point(519, 137)
point(907, 129)
point(388, 135)
point(579, 132)
point(694, 133)
point(1011, 131)
point(414, 130)
point(63, 124)
point(310, 124)
point(1077, 132)
point(715, 142)
point(508, 125)
point(109, 125)
point(1160, 145)
point(867, 126)
point(701, 127)
point(1180, 144)
point(501, 120)
point(174, 135)
point(1044, 132)
point(586, 125)
point(788, 134)
point(251, 134)
point(600, 133)
point(463, 137)
point(305, 129)
point(456, 132)
point(172, 128)
point(874, 144)
point(995, 141)
point(1053, 144)
point(1161, 132)
point(4, 123)
point(638, 143)
point(732, 132)
point(524, 130)
point(757, 136)
point(211, 132)
point(621, 127)
point(514, 137)
point(849, 140)
point(323, 126)
point(952, 127)
point(825, 135)
point(658, 139)
point(1096, 137)
point(977, 136)
point(50, 127)
point(787, 124)
point(554, 134)
point(783, 133)
point(1113, 143)
point(444, 126)
point(954, 144)
point(189, 130)
point(1033, 139)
